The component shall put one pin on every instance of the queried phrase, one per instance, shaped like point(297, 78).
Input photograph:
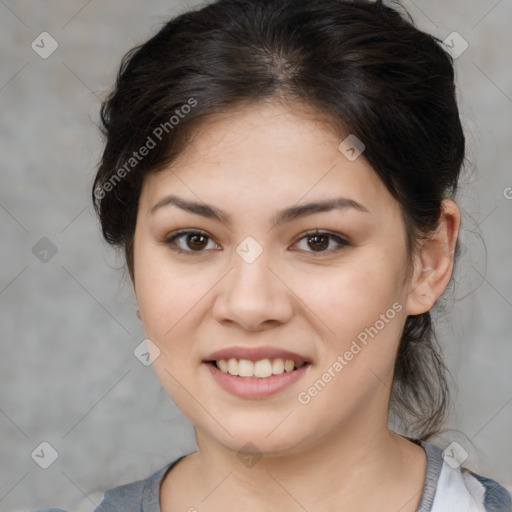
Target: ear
point(434, 264)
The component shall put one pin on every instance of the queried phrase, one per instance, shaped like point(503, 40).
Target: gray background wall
point(68, 375)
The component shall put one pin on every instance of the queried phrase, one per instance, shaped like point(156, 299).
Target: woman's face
point(255, 282)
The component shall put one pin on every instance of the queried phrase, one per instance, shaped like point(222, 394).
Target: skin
point(326, 454)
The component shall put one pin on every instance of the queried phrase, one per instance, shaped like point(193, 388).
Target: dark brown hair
point(363, 64)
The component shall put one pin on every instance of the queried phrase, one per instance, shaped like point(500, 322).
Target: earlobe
point(434, 264)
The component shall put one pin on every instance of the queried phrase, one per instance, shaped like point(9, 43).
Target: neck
point(351, 470)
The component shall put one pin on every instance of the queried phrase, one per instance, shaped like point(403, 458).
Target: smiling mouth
point(262, 369)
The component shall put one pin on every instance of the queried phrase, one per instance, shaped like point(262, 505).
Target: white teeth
point(233, 367)
point(277, 366)
point(289, 366)
point(261, 369)
point(245, 368)
point(223, 365)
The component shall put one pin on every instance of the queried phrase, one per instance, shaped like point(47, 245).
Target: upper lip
point(255, 354)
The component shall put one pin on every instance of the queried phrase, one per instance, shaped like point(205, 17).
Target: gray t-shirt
point(448, 488)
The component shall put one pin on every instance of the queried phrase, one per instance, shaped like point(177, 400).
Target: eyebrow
point(286, 215)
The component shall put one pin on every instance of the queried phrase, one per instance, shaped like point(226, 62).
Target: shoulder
point(139, 496)
point(453, 487)
point(51, 509)
point(127, 497)
point(493, 496)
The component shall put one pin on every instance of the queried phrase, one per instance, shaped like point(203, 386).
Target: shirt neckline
point(151, 489)
point(434, 465)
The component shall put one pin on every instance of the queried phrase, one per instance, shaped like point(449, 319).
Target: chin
point(260, 436)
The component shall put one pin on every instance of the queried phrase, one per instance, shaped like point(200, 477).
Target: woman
point(281, 177)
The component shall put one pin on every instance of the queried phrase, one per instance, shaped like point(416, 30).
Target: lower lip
point(254, 387)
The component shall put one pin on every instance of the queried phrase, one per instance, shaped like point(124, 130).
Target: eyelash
point(171, 241)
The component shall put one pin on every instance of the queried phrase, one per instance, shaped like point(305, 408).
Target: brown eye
point(191, 241)
point(197, 241)
point(318, 242)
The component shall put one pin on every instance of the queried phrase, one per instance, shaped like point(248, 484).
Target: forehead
point(257, 155)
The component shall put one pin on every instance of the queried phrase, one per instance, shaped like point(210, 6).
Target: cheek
point(351, 297)
point(361, 315)
point(170, 302)
point(364, 315)
point(173, 301)
point(166, 292)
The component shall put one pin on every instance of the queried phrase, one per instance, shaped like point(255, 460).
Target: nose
point(253, 295)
